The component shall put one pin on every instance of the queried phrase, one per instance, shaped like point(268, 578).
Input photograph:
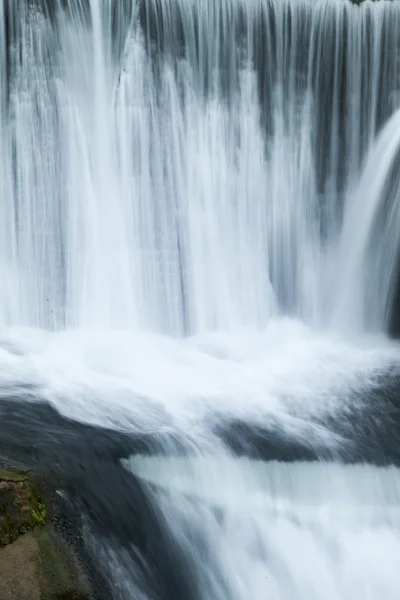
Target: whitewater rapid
point(287, 377)
point(301, 530)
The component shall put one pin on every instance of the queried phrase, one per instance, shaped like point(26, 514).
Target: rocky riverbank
point(36, 563)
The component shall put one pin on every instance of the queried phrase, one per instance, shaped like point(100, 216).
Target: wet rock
point(35, 562)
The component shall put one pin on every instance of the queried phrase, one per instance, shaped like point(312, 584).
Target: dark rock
point(29, 545)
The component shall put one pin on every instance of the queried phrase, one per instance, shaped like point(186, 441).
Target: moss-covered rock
point(21, 507)
point(35, 563)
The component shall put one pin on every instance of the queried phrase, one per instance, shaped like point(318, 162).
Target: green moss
point(39, 515)
point(39, 512)
point(12, 476)
point(21, 507)
point(23, 510)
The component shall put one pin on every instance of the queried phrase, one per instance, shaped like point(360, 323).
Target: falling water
point(182, 166)
point(303, 531)
point(199, 226)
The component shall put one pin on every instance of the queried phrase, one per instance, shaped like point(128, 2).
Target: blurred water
point(182, 167)
point(199, 225)
point(302, 530)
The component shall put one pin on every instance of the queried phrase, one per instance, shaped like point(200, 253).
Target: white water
point(286, 377)
point(351, 495)
point(283, 531)
point(210, 184)
point(362, 280)
point(199, 223)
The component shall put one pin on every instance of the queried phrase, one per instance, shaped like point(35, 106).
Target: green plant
point(39, 515)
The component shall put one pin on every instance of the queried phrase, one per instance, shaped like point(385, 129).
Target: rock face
point(35, 563)
point(21, 509)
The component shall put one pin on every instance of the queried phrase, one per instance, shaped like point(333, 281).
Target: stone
point(35, 562)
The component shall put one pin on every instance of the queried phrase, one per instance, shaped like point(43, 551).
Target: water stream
point(199, 237)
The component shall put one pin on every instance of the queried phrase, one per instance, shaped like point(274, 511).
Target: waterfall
point(199, 244)
point(155, 152)
point(301, 530)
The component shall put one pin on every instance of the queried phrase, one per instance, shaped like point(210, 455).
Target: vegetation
point(29, 545)
point(39, 515)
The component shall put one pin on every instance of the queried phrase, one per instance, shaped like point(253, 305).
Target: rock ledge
point(35, 562)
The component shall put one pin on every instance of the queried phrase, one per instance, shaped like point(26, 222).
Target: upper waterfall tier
point(182, 166)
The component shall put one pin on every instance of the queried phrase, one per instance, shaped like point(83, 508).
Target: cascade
point(154, 151)
point(199, 244)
